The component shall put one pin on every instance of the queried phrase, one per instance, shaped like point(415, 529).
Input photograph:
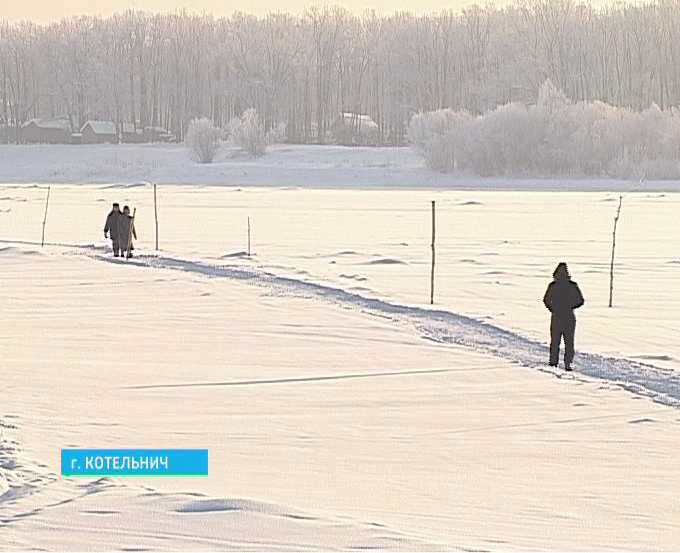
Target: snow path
point(660, 385)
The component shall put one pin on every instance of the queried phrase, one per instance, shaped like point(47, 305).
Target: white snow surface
point(340, 410)
point(331, 422)
point(283, 165)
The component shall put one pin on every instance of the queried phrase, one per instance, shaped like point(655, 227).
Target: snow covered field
point(330, 425)
point(340, 410)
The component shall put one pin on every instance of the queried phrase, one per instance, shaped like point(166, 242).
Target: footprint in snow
point(385, 261)
point(358, 278)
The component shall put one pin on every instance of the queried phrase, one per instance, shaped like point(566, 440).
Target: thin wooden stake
point(248, 236)
point(47, 203)
point(433, 257)
point(611, 266)
point(155, 212)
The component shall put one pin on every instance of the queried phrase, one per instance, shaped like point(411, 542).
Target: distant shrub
point(248, 133)
point(434, 135)
point(203, 139)
point(552, 137)
point(355, 129)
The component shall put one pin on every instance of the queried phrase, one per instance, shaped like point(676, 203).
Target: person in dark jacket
point(112, 228)
point(127, 232)
point(561, 298)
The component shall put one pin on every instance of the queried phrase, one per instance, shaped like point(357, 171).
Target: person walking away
point(561, 298)
point(127, 232)
point(112, 228)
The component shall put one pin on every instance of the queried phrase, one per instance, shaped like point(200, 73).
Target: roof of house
point(364, 120)
point(101, 127)
point(53, 124)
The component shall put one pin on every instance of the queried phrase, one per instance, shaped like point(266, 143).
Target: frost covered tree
point(248, 133)
point(203, 139)
point(552, 137)
point(142, 69)
point(435, 135)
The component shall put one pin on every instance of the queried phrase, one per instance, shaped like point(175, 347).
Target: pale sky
point(51, 10)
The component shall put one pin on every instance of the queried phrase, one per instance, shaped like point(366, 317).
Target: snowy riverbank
point(282, 166)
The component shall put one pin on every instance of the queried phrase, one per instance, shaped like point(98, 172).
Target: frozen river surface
point(495, 249)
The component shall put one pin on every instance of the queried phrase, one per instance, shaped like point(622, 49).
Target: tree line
point(300, 72)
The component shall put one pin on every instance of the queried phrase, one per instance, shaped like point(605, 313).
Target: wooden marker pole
point(47, 203)
point(611, 265)
point(155, 212)
point(433, 257)
point(248, 236)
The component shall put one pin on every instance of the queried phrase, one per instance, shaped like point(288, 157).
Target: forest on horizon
point(300, 72)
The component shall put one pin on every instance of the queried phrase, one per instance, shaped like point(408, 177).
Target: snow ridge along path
point(660, 385)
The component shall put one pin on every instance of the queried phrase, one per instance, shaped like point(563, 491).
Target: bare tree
point(156, 69)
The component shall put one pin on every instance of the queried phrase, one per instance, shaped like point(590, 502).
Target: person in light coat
point(127, 232)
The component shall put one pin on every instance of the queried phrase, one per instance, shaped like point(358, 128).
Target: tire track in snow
point(445, 327)
point(304, 379)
